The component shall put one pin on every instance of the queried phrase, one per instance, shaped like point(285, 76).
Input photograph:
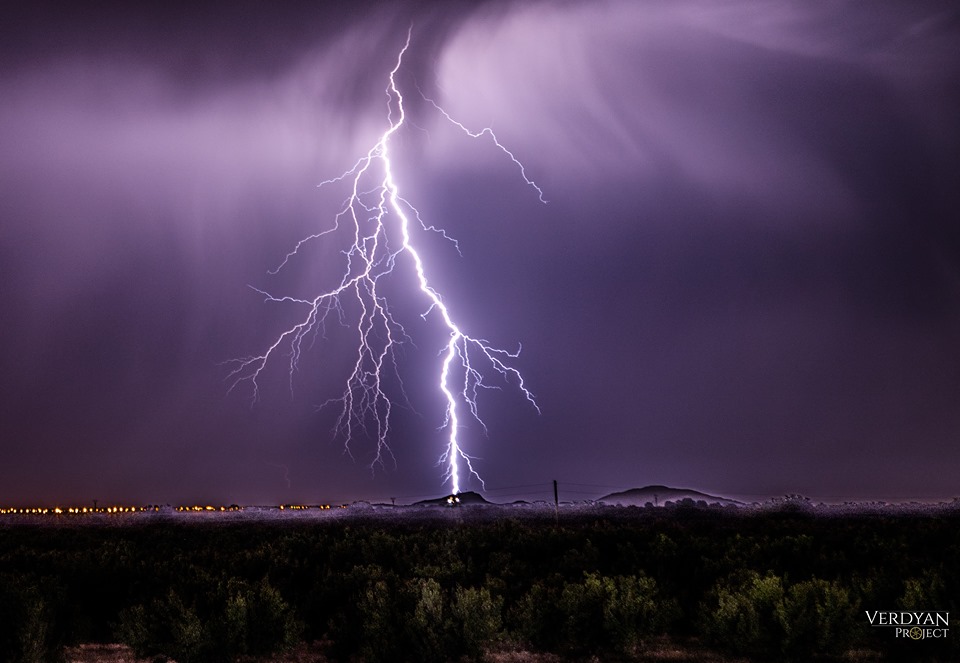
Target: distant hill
point(468, 497)
point(659, 495)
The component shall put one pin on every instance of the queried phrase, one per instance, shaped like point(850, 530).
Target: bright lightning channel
point(373, 215)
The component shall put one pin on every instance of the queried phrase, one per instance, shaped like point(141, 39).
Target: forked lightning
point(379, 220)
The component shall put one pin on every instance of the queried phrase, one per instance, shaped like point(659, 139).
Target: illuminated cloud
point(749, 260)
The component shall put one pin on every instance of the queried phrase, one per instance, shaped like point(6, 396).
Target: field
point(498, 584)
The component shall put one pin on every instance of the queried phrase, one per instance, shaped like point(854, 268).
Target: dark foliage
point(777, 586)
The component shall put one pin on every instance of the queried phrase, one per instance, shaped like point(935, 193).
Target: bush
point(27, 627)
point(133, 628)
point(743, 617)
point(428, 627)
point(379, 623)
point(582, 605)
point(479, 617)
point(538, 617)
point(166, 627)
point(758, 617)
point(596, 614)
point(255, 620)
point(634, 611)
point(236, 619)
point(818, 617)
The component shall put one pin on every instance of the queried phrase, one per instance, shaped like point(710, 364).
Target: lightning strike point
point(374, 213)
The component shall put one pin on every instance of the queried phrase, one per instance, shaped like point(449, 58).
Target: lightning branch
point(378, 220)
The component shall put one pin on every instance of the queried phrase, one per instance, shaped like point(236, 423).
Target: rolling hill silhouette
point(660, 495)
point(468, 497)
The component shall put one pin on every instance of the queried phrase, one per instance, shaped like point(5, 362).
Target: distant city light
point(118, 509)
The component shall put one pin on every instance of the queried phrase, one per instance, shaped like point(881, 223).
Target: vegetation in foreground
point(619, 583)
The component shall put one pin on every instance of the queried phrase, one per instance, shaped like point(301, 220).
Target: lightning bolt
point(378, 220)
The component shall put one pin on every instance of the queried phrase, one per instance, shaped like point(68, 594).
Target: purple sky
point(746, 279)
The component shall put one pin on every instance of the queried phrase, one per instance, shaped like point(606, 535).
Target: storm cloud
point(746, 278)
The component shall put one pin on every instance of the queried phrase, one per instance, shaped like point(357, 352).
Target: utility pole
point(556, 501)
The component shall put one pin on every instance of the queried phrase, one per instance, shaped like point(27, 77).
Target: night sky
point(746, 279)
